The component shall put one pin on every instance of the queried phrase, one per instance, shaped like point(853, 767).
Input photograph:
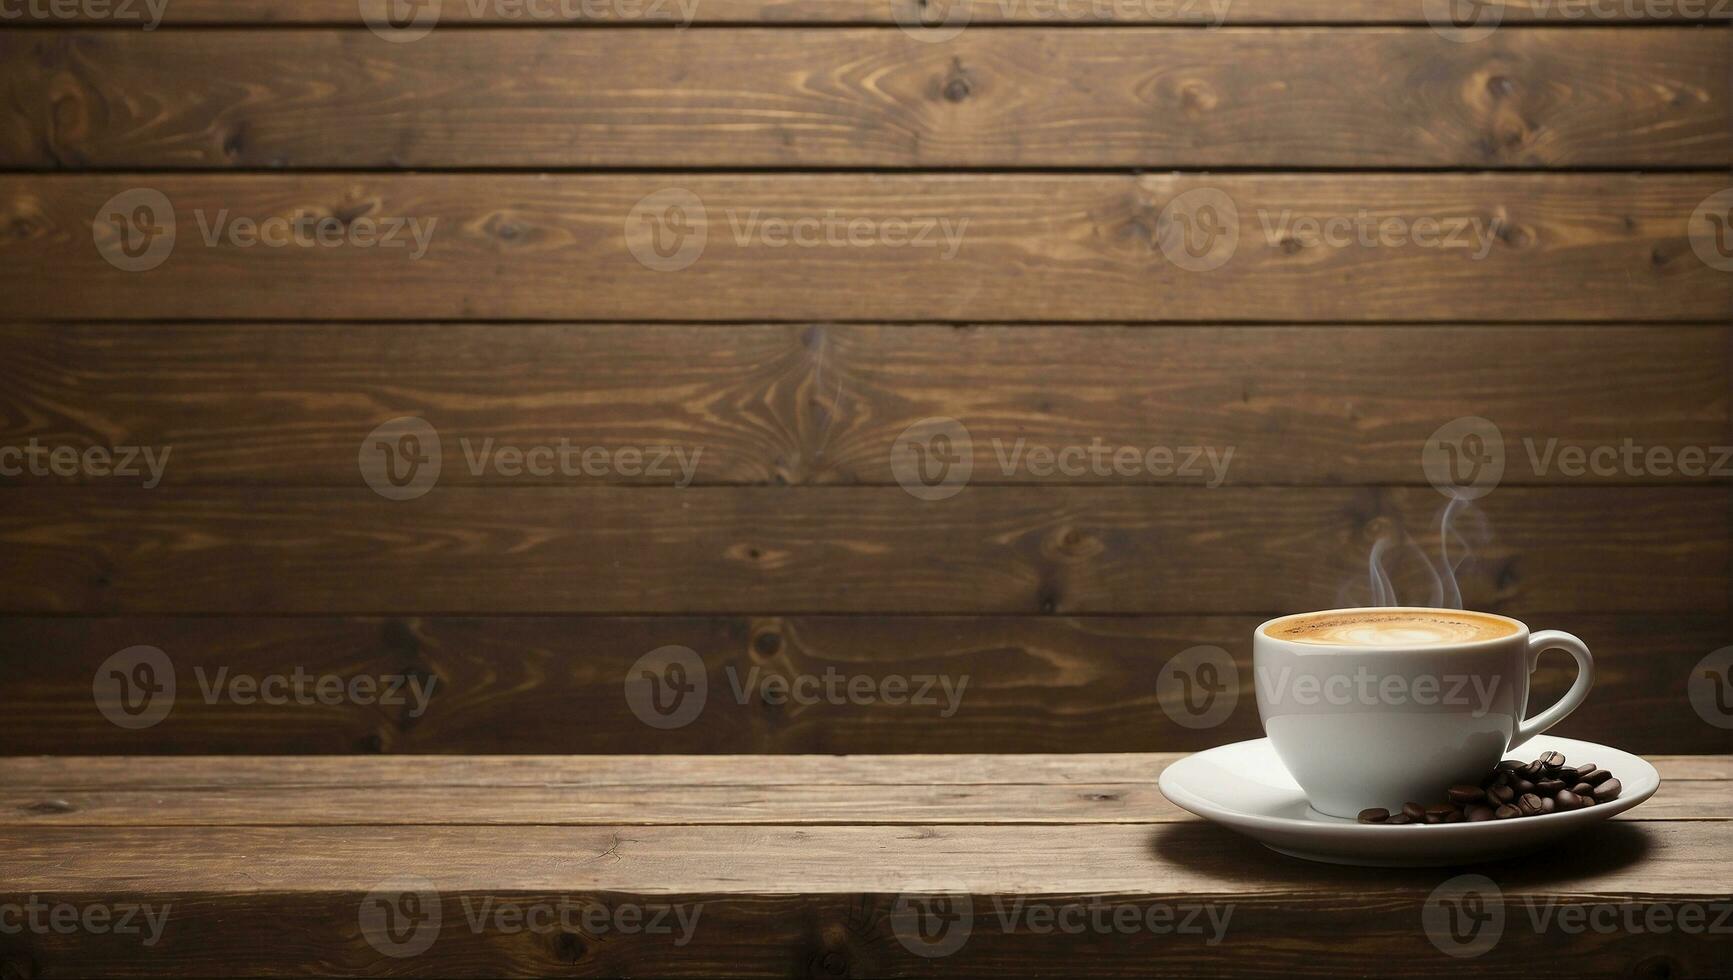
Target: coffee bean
point(1553, 759)
point(1503, 794)
point(1375, 814)
point(1399, 818)
point(1524, 786)
point(1567, 800)
point(1439, 812)
point(1548, 804)
point(1414, 811)
point(1582, 788)
point(1529, 804)
point(1479, 812)
point(1548, 787)
point(1584, 770)
point(1454, 817)
point(1597, 777)
point(1466, 794)
point(1608, 790)
point(1534, 770)
point(1510, 765)
point(1505, 812)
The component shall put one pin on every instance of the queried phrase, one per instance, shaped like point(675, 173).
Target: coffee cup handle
point(1538, 644)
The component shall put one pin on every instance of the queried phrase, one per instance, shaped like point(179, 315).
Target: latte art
point(1392, 629)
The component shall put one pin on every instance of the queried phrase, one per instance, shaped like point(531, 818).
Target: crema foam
point(1392, 629)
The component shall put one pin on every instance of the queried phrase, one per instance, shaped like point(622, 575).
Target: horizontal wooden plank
point(1307, 932)
point(359, 805)
point(939, 14)
point(513, 684)
point(772, 899)
point(1391, 97)
point(985, 550)
point(774, 859)
point(238, 774)
point(645, 246)
point(291, 404)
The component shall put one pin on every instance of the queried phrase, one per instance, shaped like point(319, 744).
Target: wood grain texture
point(773, 898)
point(1599, 247)
point(938, 14)
point(683, 797)
point(245, 773)
point(1148, 99)
point(785, 901)
point(290, 404)
point(513, 684)
point(986, 550)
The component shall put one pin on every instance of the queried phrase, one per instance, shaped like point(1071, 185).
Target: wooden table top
point(790, 866)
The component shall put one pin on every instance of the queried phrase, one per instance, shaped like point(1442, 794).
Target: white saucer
point(1244, 786)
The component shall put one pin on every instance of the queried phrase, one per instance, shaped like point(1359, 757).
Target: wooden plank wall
point(743, 251)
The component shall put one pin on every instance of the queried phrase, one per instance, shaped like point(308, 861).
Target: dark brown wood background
point(1059, 320)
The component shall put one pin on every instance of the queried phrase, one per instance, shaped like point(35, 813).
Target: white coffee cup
point(1394, 716)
